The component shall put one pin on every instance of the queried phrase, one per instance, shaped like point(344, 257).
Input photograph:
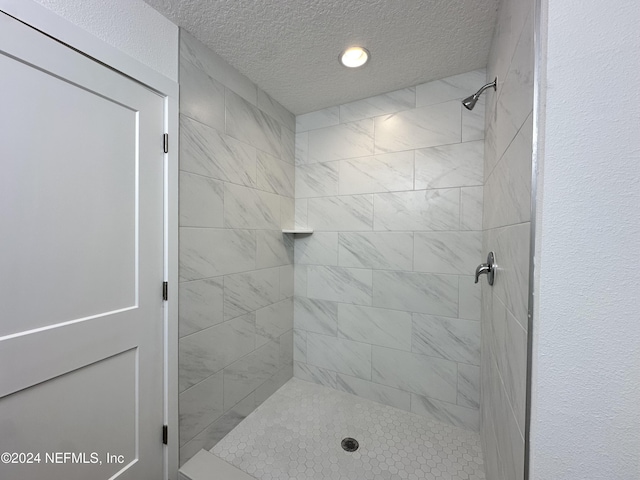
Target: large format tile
point(511, 247)
point(313, 374)
point(195, 52)
point(348, 285)
point(418, 128)
point(319, 316)
point(508, 188)
point(509, 26)
point(208, 252)
point(457, 165)
point(469, 386)
point(471, 208)
point(219, 429)
point(302, 148)
point(286, 354)
point(300, 280)
point(511, 443)
point(346, 140)
point(449, 338)
point(274, 320)
point(326, 117)
point(379, 173)
point(288, 144)
point(245, 375)
point(463, 417)
point(456, 87)
point(515, 368)
point(317, 180)
point(201, 97)
point(249, 208)
point(207, 151)
point(273, 248)
point(208, 351)
point(201, 201)
point(274, 175)
point(200, 305)
point(416, 292)
point(321, 248)
point(286, 281)
point(470, 301)
point(515, 98)
point(447, 252)
point(251, 125)
point(339, 355)
point(249, 291)
point(379, 250)
point(420, 210)
point(410, 372)
point(299, 344)
point(377, 326)
point(301, 212)
point(200, 406)
point(374, 391)
point(391, 102)
point(287, 212)
point(272, 108)
point(347, 213)
point(273, 383)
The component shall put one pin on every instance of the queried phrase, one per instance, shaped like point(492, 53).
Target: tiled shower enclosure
point(379, 302)
point(385, 301)
point(236, 272)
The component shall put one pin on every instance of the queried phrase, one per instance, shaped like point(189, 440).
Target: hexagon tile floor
point(296, 434)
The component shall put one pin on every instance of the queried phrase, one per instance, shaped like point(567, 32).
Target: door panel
point(81, 263)
point(62, 175)
point(72, 399)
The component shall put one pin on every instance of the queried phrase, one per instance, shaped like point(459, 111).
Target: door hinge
point(165, 291)
point(165, 142)
point(165, 434)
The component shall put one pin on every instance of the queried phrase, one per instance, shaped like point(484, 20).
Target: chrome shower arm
point(470, 102)
point(493, 84)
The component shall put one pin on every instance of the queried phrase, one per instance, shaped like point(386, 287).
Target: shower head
point(471, 101)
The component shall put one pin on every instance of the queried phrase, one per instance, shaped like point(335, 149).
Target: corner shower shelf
point(297, 230)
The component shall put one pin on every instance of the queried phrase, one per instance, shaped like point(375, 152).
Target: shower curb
point(205, 465)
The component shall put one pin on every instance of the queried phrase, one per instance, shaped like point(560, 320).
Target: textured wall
point(236, 272)
point(131, 26)
point(507, 192)
point(586, 420)
point(385, 304)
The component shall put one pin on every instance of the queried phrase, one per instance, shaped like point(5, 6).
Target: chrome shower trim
point(538, 118)
point(470, 101)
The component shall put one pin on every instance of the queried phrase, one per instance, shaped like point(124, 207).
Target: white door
point(81, 265)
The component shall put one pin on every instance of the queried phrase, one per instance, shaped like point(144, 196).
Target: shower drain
point(350, 444)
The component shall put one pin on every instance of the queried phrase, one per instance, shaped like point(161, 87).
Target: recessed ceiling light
point(354, 57)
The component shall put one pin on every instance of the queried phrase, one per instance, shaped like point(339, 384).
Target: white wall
point(131, 26)
point(586, 418)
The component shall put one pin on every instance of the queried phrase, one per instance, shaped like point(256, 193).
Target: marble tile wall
point(236, 267)
point(385, 306)
point(506, 231)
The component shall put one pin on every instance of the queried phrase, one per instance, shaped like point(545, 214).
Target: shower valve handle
point(488, 269)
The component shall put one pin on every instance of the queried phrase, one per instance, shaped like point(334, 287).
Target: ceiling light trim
point(354, 57)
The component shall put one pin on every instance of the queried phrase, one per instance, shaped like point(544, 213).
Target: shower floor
point(296, 434)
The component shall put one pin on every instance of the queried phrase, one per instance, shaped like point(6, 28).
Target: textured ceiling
point(290, 47)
